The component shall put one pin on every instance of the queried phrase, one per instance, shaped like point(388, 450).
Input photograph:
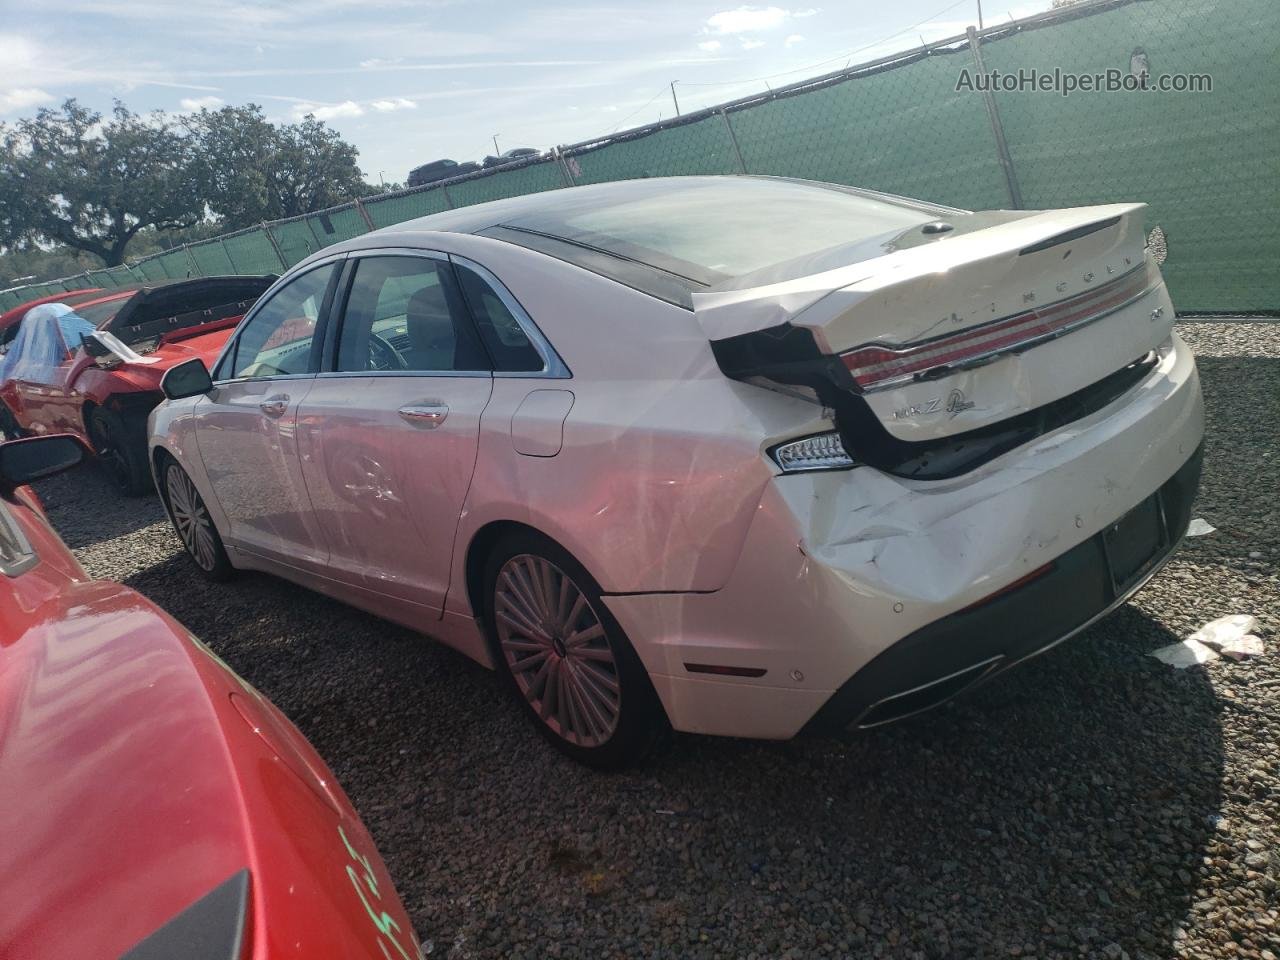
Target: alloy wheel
point(191, 518)
point(556, 648)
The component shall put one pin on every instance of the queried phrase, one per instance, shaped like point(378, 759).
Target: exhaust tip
point(899, 706)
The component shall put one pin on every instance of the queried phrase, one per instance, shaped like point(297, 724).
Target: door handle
point(427, 415)
point(275, 406)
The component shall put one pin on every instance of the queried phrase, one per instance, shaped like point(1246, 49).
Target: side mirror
point(187, 379)
point(25, 461)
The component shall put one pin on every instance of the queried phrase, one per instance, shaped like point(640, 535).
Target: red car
point(90, 364)
point(155, 804)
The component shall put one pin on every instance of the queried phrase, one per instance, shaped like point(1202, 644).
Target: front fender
point(171, 429)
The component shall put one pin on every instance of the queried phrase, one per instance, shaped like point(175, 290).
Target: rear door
point(247, 426)
point(390, 430)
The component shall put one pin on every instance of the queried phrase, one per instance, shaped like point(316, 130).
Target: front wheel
point(193, 524)
point(571, 666)
point(121, 446)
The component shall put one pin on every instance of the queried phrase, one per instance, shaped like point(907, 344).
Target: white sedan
point(728, 455)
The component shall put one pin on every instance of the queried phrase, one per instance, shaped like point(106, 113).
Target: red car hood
point(138, 773)
point(146, 375)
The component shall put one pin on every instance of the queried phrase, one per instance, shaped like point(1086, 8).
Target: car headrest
point(430, 327)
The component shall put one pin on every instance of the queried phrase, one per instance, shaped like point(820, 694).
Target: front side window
point(277, 339)
point(407, 314)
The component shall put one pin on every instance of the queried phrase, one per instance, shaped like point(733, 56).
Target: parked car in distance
point(439, 170)
point(740, 455)
point(158, 805)
point(94, 368)
point(510, 156)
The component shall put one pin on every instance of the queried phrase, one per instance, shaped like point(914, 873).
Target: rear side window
point(276, 341)
point(494, 314)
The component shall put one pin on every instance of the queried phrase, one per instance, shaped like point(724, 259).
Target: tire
point(121, 446)
point(192, 522)
point(564, 655)
point(9, 429)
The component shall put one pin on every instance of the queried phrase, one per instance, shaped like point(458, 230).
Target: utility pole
point(673, 97)
point(979, 14)
point(496, 151)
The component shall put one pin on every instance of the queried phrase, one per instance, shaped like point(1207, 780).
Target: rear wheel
point(567, 659)
point(121, 447)
point(193, 524)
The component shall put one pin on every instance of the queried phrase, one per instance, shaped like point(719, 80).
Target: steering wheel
point(383, 356)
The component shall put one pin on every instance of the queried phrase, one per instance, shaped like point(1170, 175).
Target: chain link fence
point(1206, 162)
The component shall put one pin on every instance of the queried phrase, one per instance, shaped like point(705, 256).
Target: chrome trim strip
point(989, 663)
point(361, 374)
point(979, 360)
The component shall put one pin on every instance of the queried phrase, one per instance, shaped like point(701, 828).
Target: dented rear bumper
point(961, 650)
point(840, 567)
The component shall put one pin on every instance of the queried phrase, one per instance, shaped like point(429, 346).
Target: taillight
point(875, 366)
point(823, 451)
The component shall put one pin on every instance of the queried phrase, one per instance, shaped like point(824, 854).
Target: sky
point(409, 81)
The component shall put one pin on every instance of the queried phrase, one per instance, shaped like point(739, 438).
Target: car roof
point(540, 222)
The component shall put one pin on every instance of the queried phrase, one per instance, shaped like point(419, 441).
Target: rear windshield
point(711, 229)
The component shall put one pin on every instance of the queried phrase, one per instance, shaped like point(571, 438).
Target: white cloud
point(328, 111)
point(710, 46)
point(196, 104)
point(373, 63)
point(20, 98)
point(395, 103)
point(792, 40)
point(749, 44)
point(747, 19)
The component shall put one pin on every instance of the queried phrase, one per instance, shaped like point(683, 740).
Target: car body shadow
point(1079, 789)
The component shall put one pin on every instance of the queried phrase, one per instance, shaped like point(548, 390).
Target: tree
point(68, 177)
point(250, 170)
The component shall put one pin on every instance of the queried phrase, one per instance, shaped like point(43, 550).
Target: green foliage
point(249, 170)
point(71, 177)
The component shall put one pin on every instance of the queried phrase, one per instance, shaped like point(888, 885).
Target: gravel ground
point(1093, 803)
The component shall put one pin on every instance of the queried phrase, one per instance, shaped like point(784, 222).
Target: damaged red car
point(156, 804)
point(90, 365)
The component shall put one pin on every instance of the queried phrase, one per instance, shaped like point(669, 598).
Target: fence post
point(191, 261)
point(564, 167)
point(733, 138)
point(271, 238)
point(997, 130)
point(364, 215)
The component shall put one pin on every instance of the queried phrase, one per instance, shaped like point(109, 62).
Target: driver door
point(246, 427)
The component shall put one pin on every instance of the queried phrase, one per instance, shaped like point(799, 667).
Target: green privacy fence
point(1207, 163)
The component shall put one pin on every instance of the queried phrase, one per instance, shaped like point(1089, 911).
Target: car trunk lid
point(957, 335)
